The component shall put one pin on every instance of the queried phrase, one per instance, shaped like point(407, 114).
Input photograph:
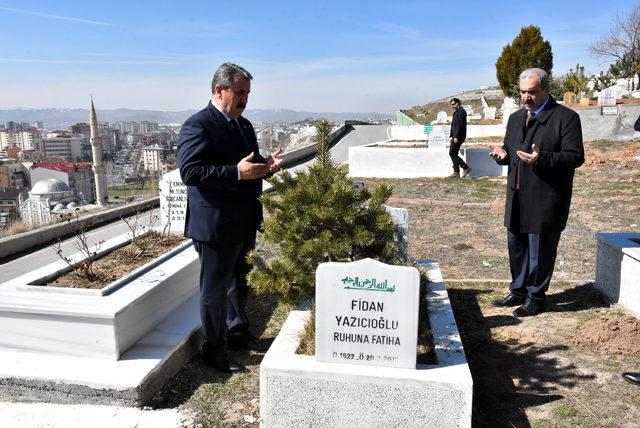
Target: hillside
point(425, 113)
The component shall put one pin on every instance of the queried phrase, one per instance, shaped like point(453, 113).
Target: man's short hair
point(455, 100)
point(227, 74)
point(538, 73)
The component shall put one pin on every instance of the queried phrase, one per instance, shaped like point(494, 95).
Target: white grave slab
point(441, 117)
point(367, 313)
point(173, 202)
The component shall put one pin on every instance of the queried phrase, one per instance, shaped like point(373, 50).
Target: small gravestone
point(441, 117)
point(607, 98)
point(437, 137)
point(367, 313)
point(568, 98)
point(173, 202)
point(489, 113)
point(401, 233)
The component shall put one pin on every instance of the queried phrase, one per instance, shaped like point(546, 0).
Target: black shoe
point(510, 300)
point(465, 172)
point(217, 359)
point(632, 377)
point(238, 341)
point(529, 309)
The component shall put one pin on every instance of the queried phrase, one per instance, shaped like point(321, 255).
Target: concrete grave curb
point(618, 268)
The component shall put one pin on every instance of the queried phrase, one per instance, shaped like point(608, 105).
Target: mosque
point(50, 197)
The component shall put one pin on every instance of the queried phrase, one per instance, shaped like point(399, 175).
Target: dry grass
point(525, 371)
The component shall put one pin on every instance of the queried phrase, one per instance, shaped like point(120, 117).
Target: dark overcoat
point(220, 208)
point(545, 188)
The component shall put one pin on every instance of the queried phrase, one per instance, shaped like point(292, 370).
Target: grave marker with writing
point(367, 313)
point(173, 201)
point(438, 137)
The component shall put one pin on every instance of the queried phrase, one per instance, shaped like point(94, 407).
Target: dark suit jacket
point(459, 125)
point(545, 188)
point(220, 208)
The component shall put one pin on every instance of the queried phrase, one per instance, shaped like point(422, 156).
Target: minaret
point(100, 176)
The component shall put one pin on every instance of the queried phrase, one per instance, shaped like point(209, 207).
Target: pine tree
point(527, 50)
point(316, 216)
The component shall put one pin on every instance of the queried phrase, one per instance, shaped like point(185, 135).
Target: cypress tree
point(527, 50)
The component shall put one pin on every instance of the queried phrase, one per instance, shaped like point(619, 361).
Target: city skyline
point(342, 57)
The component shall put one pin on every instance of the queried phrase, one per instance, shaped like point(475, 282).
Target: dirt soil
point(118, 262)
point(530, 372)
point(610, 334)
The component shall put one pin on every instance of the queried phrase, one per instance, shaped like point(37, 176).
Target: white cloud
point(63, 18)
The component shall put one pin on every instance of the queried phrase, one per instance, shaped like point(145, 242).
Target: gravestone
point(568, 98)
point(508, 107)
point(367, 313)
point(173, 202)
point(441, 117)
point(489, 113)
point(607, 98)
point(401, 233)
point(438, 137)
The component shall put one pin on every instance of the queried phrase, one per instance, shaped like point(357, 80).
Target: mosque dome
point(72, 204)
point(49, 186)
point(59, 207)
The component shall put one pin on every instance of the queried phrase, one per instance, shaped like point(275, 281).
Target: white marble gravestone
point(441, 117)
point(438, 137)
point(173, 202)
point(367, 313)
point(401, 233)
point(489, 112)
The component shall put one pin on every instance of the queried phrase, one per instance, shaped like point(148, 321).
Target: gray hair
point(227, 74)
point(538, 73)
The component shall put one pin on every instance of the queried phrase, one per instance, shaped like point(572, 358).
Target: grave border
point(296, 390)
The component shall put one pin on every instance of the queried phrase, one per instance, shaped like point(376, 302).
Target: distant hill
point(427, 112)
point(59, 118)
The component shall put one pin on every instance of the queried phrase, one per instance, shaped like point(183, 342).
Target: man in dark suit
point(457, 136)
point(222, 167)
point(542, 147)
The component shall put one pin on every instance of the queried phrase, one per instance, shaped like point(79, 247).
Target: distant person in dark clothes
point(542, 147)
point(637, 125)
point(457, 136)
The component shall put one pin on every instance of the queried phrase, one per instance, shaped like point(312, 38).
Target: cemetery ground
point(560, 368)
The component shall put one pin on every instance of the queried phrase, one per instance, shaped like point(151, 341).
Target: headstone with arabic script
point(367, 313)
point(173, 202)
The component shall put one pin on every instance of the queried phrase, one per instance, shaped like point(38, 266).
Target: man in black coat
point(542, 147)
point(221, 166)
point(457, 136)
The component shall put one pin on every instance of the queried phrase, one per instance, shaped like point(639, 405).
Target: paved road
point(46, 254)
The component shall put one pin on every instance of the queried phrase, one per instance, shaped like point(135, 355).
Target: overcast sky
point(343, 56)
